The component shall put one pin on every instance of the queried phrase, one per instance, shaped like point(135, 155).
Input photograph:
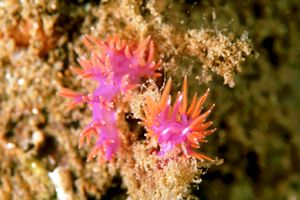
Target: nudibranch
point(178, 126)
point(117, 66)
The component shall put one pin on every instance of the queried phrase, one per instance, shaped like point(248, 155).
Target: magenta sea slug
point(117, 67)
point(178, 126)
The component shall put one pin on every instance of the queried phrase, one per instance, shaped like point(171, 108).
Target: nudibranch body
point(118, 68)
point(178, 125)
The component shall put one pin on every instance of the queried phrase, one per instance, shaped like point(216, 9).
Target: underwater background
point(257, 100)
